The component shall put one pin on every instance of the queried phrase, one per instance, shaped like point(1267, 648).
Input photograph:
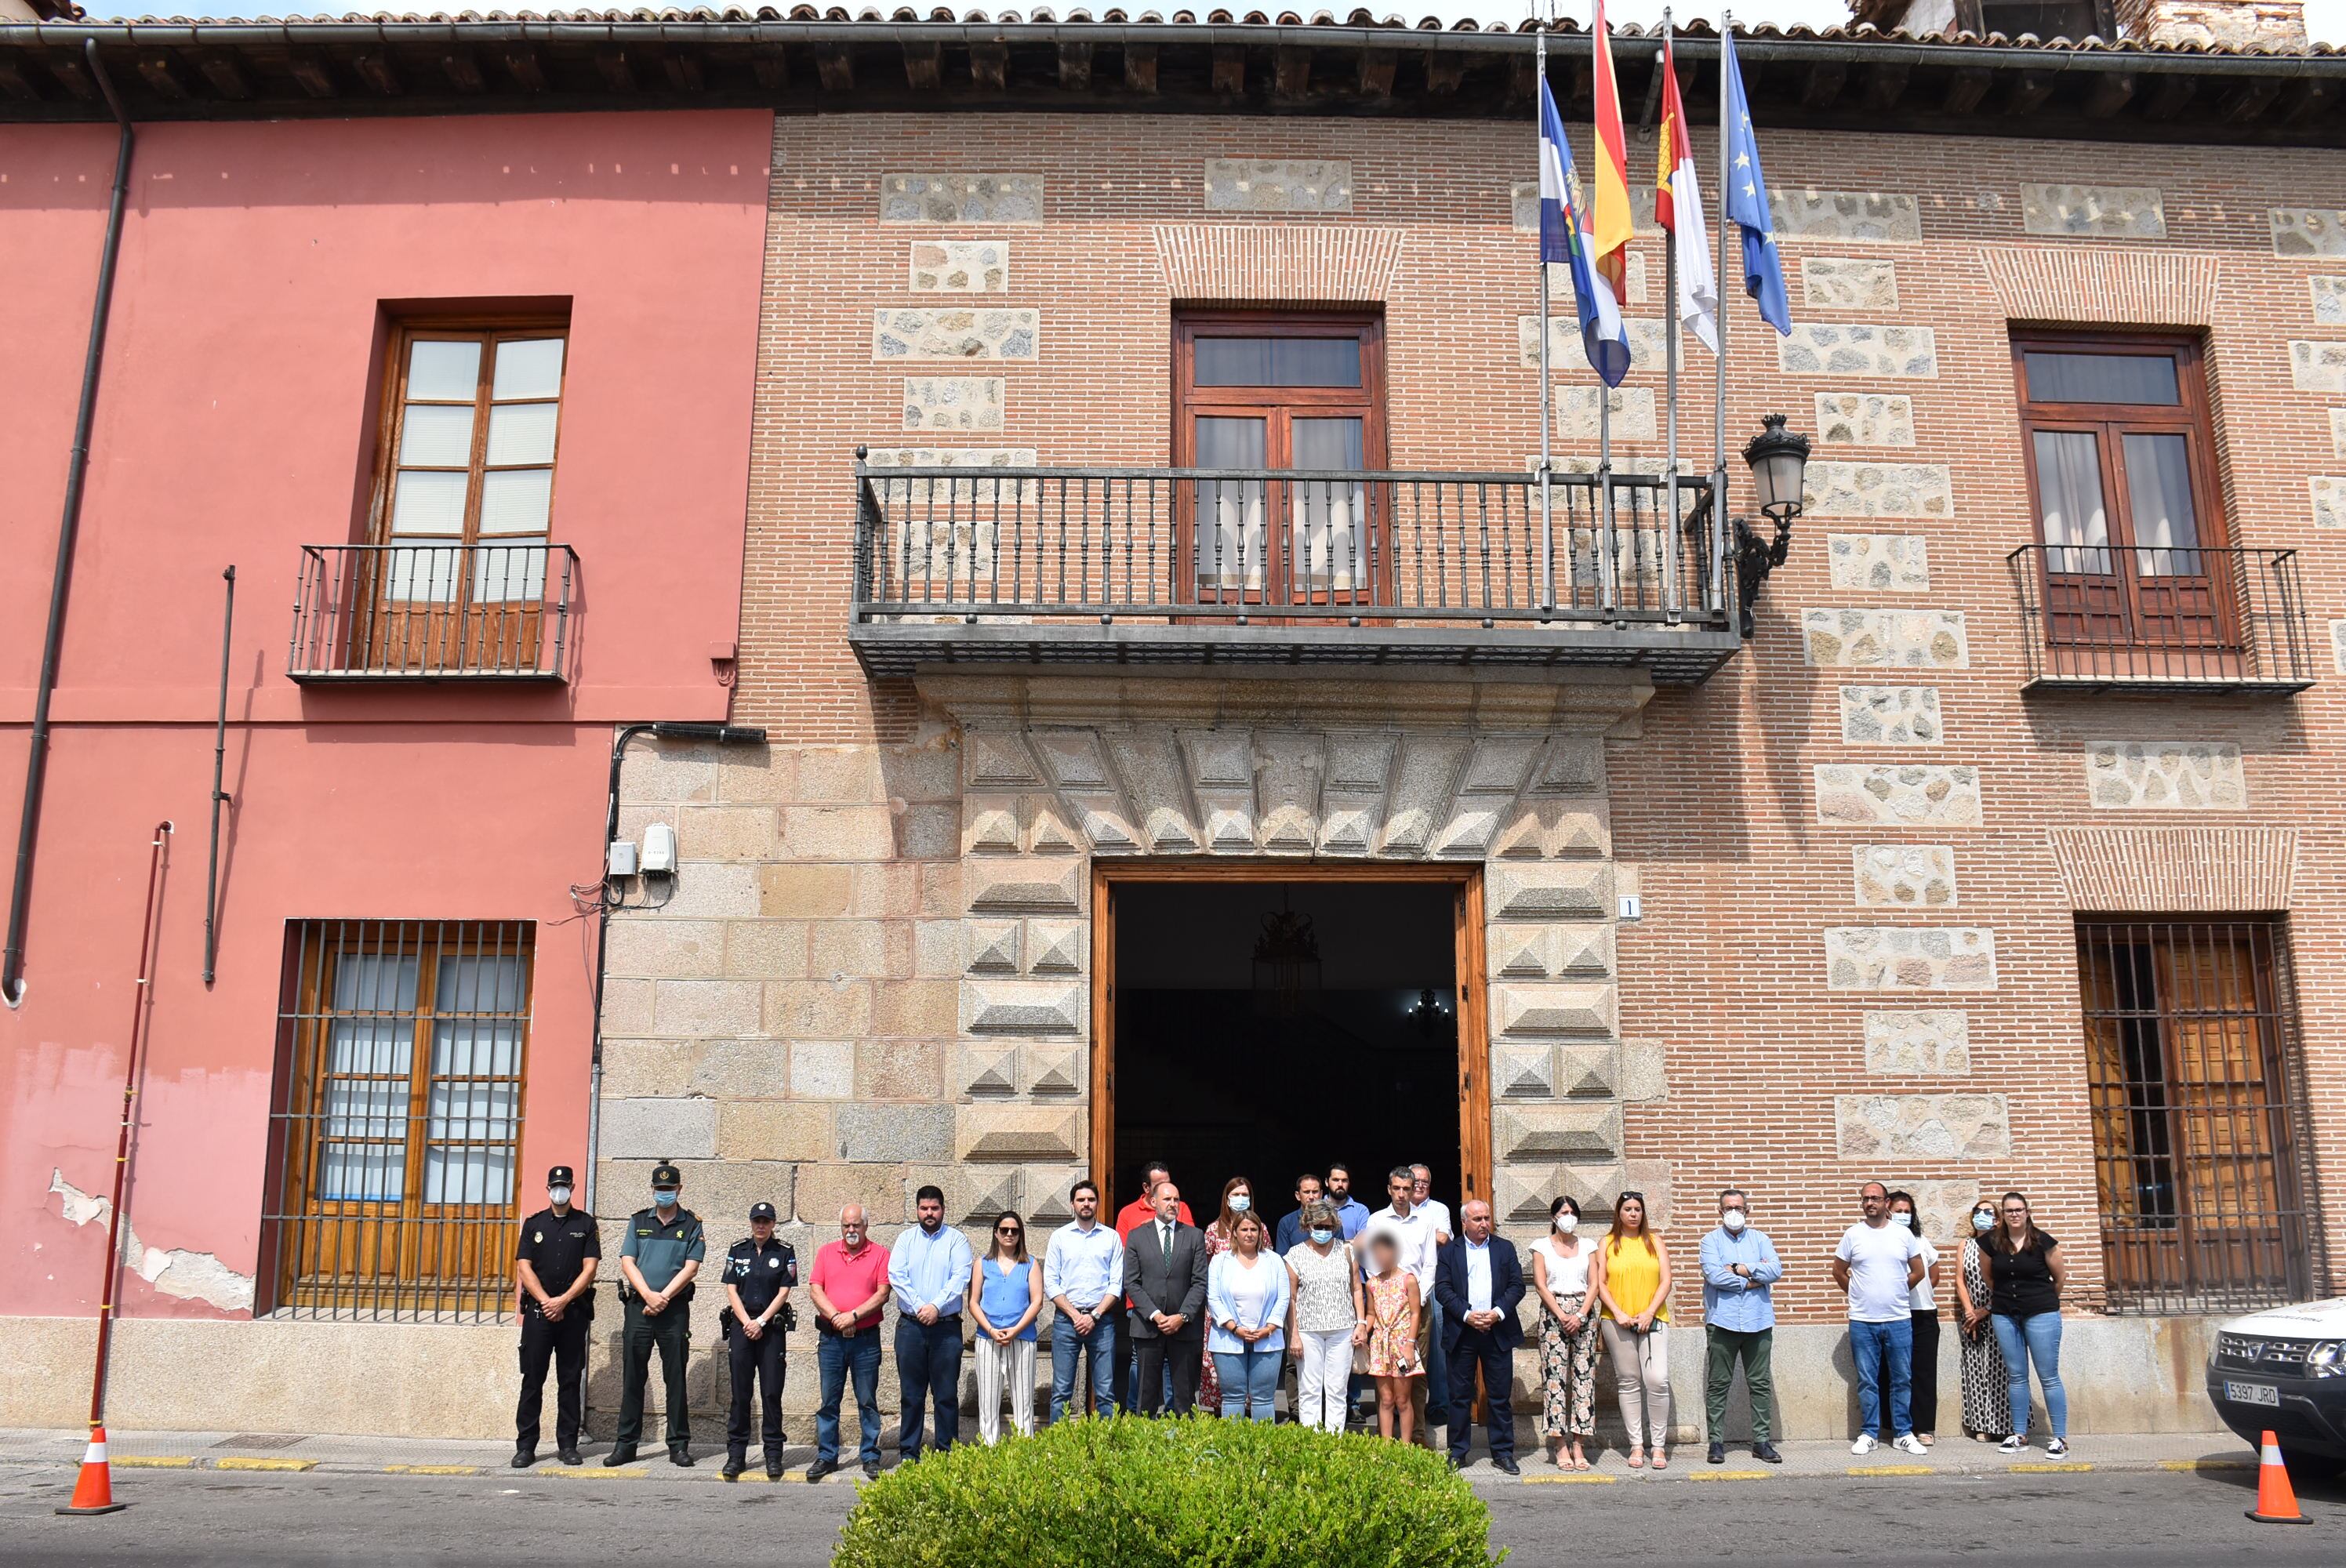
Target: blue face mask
point(1240, 1203)
point(1983, 1221)
point(1322, 1237)
point(663, 1197)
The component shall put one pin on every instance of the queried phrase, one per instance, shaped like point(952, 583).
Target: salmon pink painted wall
point(236, 418)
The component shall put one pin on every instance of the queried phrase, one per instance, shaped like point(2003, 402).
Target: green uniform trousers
point(672, 1331)
point(1725, 1347)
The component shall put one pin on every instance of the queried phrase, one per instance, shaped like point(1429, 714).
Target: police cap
point(758, 1211)
point(559, 1176)
point(667, 1175)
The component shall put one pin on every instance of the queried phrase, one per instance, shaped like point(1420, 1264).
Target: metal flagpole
point(1546, 497)
point(1718, 410)
point(1669, 529)
point(1609, 560)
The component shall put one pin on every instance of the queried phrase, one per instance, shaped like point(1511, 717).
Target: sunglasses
point(1005, 1230)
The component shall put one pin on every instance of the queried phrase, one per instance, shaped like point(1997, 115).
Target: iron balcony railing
point(2105, 617)
point(1222, 564)
point(432, 612)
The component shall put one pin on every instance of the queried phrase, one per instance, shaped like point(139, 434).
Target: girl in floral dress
point(1392, 1337)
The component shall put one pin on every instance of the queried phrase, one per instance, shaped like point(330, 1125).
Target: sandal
point(1661, 1460)
point(1637, 1459)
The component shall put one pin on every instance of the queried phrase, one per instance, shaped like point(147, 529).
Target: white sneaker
point(1864, 1443)
point(2013, 1444)
point(1909, 1444)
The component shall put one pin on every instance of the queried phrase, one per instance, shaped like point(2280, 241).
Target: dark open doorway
point(1235, 1054)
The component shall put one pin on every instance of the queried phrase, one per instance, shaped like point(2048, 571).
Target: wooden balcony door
point(1268, 393)
point(2121, 478)
point(464, 502)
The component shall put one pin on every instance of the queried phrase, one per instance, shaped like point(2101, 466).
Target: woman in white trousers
point(1005, 1297)
point(1324, 1318)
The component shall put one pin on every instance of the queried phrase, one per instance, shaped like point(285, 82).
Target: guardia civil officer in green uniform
point(657, 1261)
point(759, 1270)
point(555, 1271)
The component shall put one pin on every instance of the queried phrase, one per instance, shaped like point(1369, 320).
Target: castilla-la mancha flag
point(1678, 208)
point(1610, 226)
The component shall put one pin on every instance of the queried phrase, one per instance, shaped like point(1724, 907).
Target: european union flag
point(1747, 202)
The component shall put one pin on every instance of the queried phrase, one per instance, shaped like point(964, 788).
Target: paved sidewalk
point(327, 1454)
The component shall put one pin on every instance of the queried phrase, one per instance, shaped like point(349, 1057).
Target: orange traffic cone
point(94, 1491)
point(2276, 1503)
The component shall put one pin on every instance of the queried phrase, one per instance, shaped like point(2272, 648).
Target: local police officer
point(554, 1269)
point(657, 1264)
point(759, 1273)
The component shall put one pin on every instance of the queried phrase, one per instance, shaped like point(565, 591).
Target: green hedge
point(1127, 1492)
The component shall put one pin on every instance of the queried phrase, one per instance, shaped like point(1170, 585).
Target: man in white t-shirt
point(1878, 1263)
point(1414, 1243)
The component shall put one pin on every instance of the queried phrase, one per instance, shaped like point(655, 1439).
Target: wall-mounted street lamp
point(1779, 459)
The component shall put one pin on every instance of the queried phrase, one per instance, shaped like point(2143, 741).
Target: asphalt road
point(2141, 1520)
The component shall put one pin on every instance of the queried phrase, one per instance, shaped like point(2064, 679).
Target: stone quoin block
point(1853, 349)
point(2329, 300)
point(1926, 1043)
point(1897, 794)
point(961, 199)
point(1566, 891)
point(2165, 776)
point(1522, 1193)
point(1056, 1068)
point(2092, 211)
point(669, 1128)
point(1278, 185)
point(1587, 1071)
point(995, 1135)
point(985, 1069)
point(1880, 1127)
point(1890, 716)
point(894, 1134)
point(1058, 947)
point(1551, 1009)
point(1905, 876)
point(1633, 413)
point(783, 1130)
point(1523, 1070)
point(1865, 419)
point(954, 403)
point(1025, 886)
point(709, 1007)
point(1878, 562)
point(1554, 950)
point(2328, 495)
point(822, 1069)
point(1569, 355)
point(1871, 215)
point(2306, 231)
point(959, 267)
point(1892, 640)
point(1525, 1133)
point(1848, 283)
point(1910, 958)
point(1918, 490)
point(2338, 432)
point(994, 946)
point(2317, 367)
point(1023, 1007)
point(954, 333)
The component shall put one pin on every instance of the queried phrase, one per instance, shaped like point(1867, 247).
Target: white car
point(2284, 1371)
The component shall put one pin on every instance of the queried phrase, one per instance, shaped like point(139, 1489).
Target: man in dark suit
point(1165, 1276)
point(1479, 1283)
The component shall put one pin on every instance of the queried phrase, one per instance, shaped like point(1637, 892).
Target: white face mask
point(1903, 1218)
point(1240, 1203)
point(1567, 1223)
point(559, 1196)
point(1733, 1219)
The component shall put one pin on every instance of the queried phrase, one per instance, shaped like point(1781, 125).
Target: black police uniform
point(672, 1242)
point(758, 1274)
point(556, 1247)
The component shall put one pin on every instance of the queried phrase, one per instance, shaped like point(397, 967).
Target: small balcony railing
point(2109, 617)
point(1175, 565)
point(432, 612)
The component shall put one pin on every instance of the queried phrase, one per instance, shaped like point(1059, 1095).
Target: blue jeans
point(834, 1359)
point(1250, 1378)
point(1066, 1345)
point(2035, 1338)
point(1437, 1370)
point(928, 1370)
point(1885, 1350)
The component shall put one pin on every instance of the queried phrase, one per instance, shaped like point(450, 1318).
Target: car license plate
point(2252, 1394)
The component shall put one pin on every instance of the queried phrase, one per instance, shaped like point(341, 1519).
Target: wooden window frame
point(1468, 955)
point(489, 331)
point(378, 1256)
point(1279, 407)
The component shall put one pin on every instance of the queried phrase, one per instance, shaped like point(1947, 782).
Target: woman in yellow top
point(1632, 1276)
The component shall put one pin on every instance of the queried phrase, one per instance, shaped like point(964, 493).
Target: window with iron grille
point(396, 1118)
point(2198, 1112)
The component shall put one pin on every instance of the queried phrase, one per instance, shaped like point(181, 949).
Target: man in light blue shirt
point(1082, 1270)
point(1739, 1270)
point(928, 1271)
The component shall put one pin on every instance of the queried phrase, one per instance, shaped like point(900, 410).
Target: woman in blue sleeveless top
point(1006, 1296)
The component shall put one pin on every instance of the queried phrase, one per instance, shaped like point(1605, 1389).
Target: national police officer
point(555, 1271)
point(759, 1270)
point(657, 1261)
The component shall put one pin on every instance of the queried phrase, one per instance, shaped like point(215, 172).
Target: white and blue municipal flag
point(1747, 202)
point(1563, 239)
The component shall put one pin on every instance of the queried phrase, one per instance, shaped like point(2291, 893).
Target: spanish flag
point(1610, 226)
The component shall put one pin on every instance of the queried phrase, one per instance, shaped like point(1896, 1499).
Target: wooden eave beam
point(375, 69)
point(1966, 86)
point(527, 69)
point(1229, 70)
point(1821, 89)
point(925, 66)
point(2307, 100)
point(2251, 98)
point(1290, 74)
point(989, 66)
point(1140, 70)
point(684, 73)
point(463, 69)
point(16, 83)
point(160, 72)
point(227, 77)
point(2174, 91)
point(1377, 67)
point(1075, 65)
point(771, 67)
point(1522, 80)
point(1886, 84)
point(835, 67)
point(617, 73)
point(1443, 72)
point(71, 75)
point(2111, 92)
point(2028, 90)
point(310, 73)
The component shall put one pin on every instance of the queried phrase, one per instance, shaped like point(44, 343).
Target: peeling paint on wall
point(189, 1276)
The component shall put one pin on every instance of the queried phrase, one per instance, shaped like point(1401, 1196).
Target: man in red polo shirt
point(1140, 1211)
point(850, 1286)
